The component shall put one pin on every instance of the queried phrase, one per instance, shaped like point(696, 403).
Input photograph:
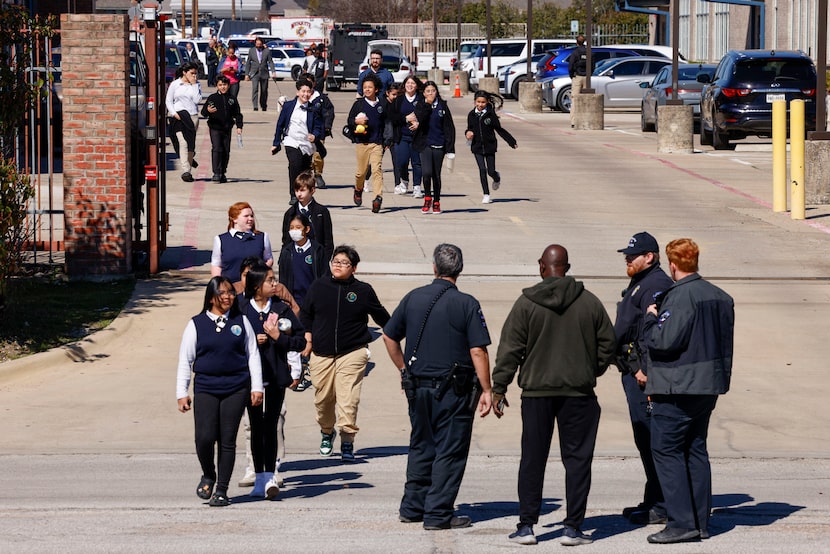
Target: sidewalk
point(97, 454)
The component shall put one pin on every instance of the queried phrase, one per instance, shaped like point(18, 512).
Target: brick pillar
point(96, 144)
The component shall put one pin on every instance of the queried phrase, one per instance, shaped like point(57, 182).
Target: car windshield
point(296, 53)
point(768, 70)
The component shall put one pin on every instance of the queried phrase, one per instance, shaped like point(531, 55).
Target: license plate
point(775, 97)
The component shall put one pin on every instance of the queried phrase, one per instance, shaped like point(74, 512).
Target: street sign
point(574, 25)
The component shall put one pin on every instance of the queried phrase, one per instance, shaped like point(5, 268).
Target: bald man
point(561, 337)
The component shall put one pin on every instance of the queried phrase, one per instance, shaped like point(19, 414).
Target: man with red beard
point(648, 281)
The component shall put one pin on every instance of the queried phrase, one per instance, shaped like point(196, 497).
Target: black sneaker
point(321, 183)
point(216, 178)
point(304, 384)
point(647, 517)
point(414, 519)
point(376, 204)
point(358, 197)
point(187, 177)
point(671, 535)
point(572, 536)
point(457, 522)
point(194, 164)
point(523, 535)
point(223, 178)
point(347, 452)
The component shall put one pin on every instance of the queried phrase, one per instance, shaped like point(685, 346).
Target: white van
point(505, 51)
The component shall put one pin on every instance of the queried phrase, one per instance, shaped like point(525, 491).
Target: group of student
point(249, 337)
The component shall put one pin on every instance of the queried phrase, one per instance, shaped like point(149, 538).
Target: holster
point(408, 384)
point(628, 360)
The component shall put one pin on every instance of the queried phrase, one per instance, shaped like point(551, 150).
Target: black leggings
point(432, 159)
point(487, 166)
point(216, 418)
point(297, 163)
point(264, 420)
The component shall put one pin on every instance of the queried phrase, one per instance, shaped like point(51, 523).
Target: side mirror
point(645, 85)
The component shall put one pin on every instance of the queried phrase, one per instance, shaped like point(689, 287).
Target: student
point(482, 126)
point(182, 103)
point(264, 310)
point(299, 128)
point(403, 120)
point(317, 214)
point(369, 132)
point(434, 138)
point(302, 261)
point(222, 111)
point(321, 102)
point(219, 347)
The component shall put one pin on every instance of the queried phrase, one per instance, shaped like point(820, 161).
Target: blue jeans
point(405, 153)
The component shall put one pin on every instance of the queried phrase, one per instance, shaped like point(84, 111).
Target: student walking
point(482, 126)
point(222, 112)
point(369, 132)
point(434, 139)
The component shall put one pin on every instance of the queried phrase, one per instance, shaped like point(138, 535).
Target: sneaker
point(304, 384)
point(414, 519)
point(436, 207)
point(574, 537)
point(417, 192)
point(249, 479)
point(278, 476)
point(346, 451)
point(427, 209)
point(399, 189)
point(321, 183)
point(672, 535)
point(457, 522)
point(626, 513)
point(272, 487)
point(326, 444)
point(358, 197)
point(523, 535)
point(376, 204)
point(647, 517)
point(215, 177)
point(223, 178)
point(259, 486)
point(405, 186)
point(194, 164)
point(187, 177)
point(219, 500)
point(205, 488)
point(496, 185)
point(486, 199)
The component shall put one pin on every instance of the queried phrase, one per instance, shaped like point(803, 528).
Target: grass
point(42, 313)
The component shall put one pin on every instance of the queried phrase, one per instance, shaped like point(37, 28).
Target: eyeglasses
point(272, 281)
point(341, 263)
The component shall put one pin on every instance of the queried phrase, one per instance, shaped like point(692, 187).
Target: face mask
point(296, 234)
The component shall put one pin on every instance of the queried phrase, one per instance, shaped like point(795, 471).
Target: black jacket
point(227, 112)
point(423, 112)
point(337, 314)
point(275, 369)
point(484, 128)
point(321, 227)
point(319, 265)
point(578, 62)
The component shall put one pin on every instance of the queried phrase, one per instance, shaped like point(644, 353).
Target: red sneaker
point(427, 205)
point(358, 197)
point(436, 207)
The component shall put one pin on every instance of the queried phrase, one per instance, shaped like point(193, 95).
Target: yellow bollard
point(779, 156)
point(797, 159)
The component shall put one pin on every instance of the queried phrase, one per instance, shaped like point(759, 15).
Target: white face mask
point(295, 234)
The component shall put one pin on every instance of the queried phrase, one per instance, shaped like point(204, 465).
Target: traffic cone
point(457, 88)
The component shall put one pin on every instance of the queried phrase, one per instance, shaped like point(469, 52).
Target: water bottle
point(450, 161)
point(239, 141)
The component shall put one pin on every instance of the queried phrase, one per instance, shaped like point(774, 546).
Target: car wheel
point(295, 72)
point(720, 141)
point(705, 136)
point(563, 100)
point(514, 88)
point(644, 125)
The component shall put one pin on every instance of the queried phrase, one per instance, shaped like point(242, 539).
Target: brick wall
point(96, 144)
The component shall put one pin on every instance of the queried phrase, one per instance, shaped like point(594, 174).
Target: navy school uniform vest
point(302, 266)
point(235, 250)
point(221, 365)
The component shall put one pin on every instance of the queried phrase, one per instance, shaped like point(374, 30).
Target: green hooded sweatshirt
point(560, 339)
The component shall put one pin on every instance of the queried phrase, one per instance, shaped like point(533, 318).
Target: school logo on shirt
point(308, 259)
point(488, 121)
point(351, 297)
point(236, 330)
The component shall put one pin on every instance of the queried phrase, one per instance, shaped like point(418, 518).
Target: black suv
point(737, 101)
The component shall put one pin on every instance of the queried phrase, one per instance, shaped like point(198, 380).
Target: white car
point(617, 79)
point(394, 58)
point(288, 62)
point(505, 51)
point(510, 76)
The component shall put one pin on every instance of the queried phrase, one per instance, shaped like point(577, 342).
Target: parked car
point(555, 63)
point(506, 51)
point(288, 62)
point(649, 50)
point(201, 46)
point(737, 101)
point(242, 45)
point(619, 81)
point(174, 56)
point(660, 89)
point(510, 76)
point(394, 58)
point(467, 49)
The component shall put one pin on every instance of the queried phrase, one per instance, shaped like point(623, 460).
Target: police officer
point(578, 70)
point(642, 260)
point(446, 349)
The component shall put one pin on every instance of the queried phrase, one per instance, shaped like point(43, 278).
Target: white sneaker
point(278, 477)
point(400, 189)
point(272, 487)
point(496, 185)
point(486, 199)
point(417, 193)
point(405, 186)
point(249, 479)
point(259, 486)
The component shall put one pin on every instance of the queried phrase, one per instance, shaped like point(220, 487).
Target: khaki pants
point(369, 154)
point(577, 83)
point(337, 382)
